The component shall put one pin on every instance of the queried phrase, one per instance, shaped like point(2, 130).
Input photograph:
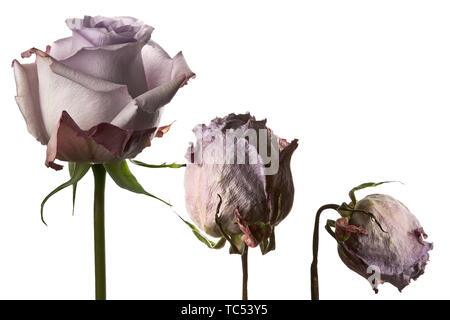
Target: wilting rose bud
point(386, 244)
point(97, 96)
point(239, 159)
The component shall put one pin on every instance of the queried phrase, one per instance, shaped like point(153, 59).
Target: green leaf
point(210, 244)
point(76, 173)
point(122, 176)
point(363, 186)
point(164, 165)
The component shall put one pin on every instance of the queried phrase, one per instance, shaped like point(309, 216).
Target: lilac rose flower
point(390, 240)
point(97, 96)
point(252, 202)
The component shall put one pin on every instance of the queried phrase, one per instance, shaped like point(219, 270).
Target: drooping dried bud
point(387, 241)
point(239, 159)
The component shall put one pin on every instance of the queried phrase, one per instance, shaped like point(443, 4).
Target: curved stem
point(99, 231)
point(244, 259)
point(314, 273)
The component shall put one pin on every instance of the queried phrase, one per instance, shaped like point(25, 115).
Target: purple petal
point(239, 185)
point(145, 111)
point(27, 98)
point(396, 251)
point(102, 31)
point(103, 143)
point(160, 68)
point(89, 100)
point(62, 49)
point(121, 64)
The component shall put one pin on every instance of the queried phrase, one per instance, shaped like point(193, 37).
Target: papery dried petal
point(397, 248)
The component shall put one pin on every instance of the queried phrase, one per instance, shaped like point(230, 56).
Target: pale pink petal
point(121, 63)
point(239, 185)
point(157, 65)
point(61, 49)
point(28, 99)
point(103, 143)
point(145, 111)
point(102, 31)
point(180, 67)
point(89, 100)
point(160, 67)
point(79, 42)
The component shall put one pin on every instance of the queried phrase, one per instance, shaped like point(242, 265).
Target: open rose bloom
point(97, 96)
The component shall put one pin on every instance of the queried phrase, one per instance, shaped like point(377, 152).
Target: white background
point(363, 85)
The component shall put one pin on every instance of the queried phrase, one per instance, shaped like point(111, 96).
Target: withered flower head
point(240, 160)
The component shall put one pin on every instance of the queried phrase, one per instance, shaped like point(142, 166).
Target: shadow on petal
point(102, 143)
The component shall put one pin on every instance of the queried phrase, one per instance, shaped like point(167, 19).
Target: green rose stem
point(99, 231)
point(244, 258)
point(122, 176)
point(314, 273)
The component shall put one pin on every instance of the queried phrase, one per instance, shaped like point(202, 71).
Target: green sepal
point(164, 165)
point(210, 244)
point(77, 172)
point(236, 244)
point(72, 166)
point(363, 186)
point(268, 244)
point(345, 210)
point(122, 176)
point(331, 224)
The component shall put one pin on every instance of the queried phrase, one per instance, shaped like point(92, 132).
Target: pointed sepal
point(363, 186)
point(77, 172)
point(164, 165)
point(72, 167)
point(268, 244)
point(210, 244)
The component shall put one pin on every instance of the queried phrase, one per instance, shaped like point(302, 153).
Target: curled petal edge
point(103, 143)
point(252, 233)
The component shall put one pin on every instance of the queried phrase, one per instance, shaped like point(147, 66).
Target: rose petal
point(121, 63)
point(102, 143)
point(162, 130)
point(28, 99)
point(62, 48)
point(396, 251)
point(145, 111)
point(89, 100)
point(237, 184)
point(180, 67)
point(157, 65)
point(102, 31)
point(252, 234)
point(160, 68)
point(344, 229)
point(280, 186)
